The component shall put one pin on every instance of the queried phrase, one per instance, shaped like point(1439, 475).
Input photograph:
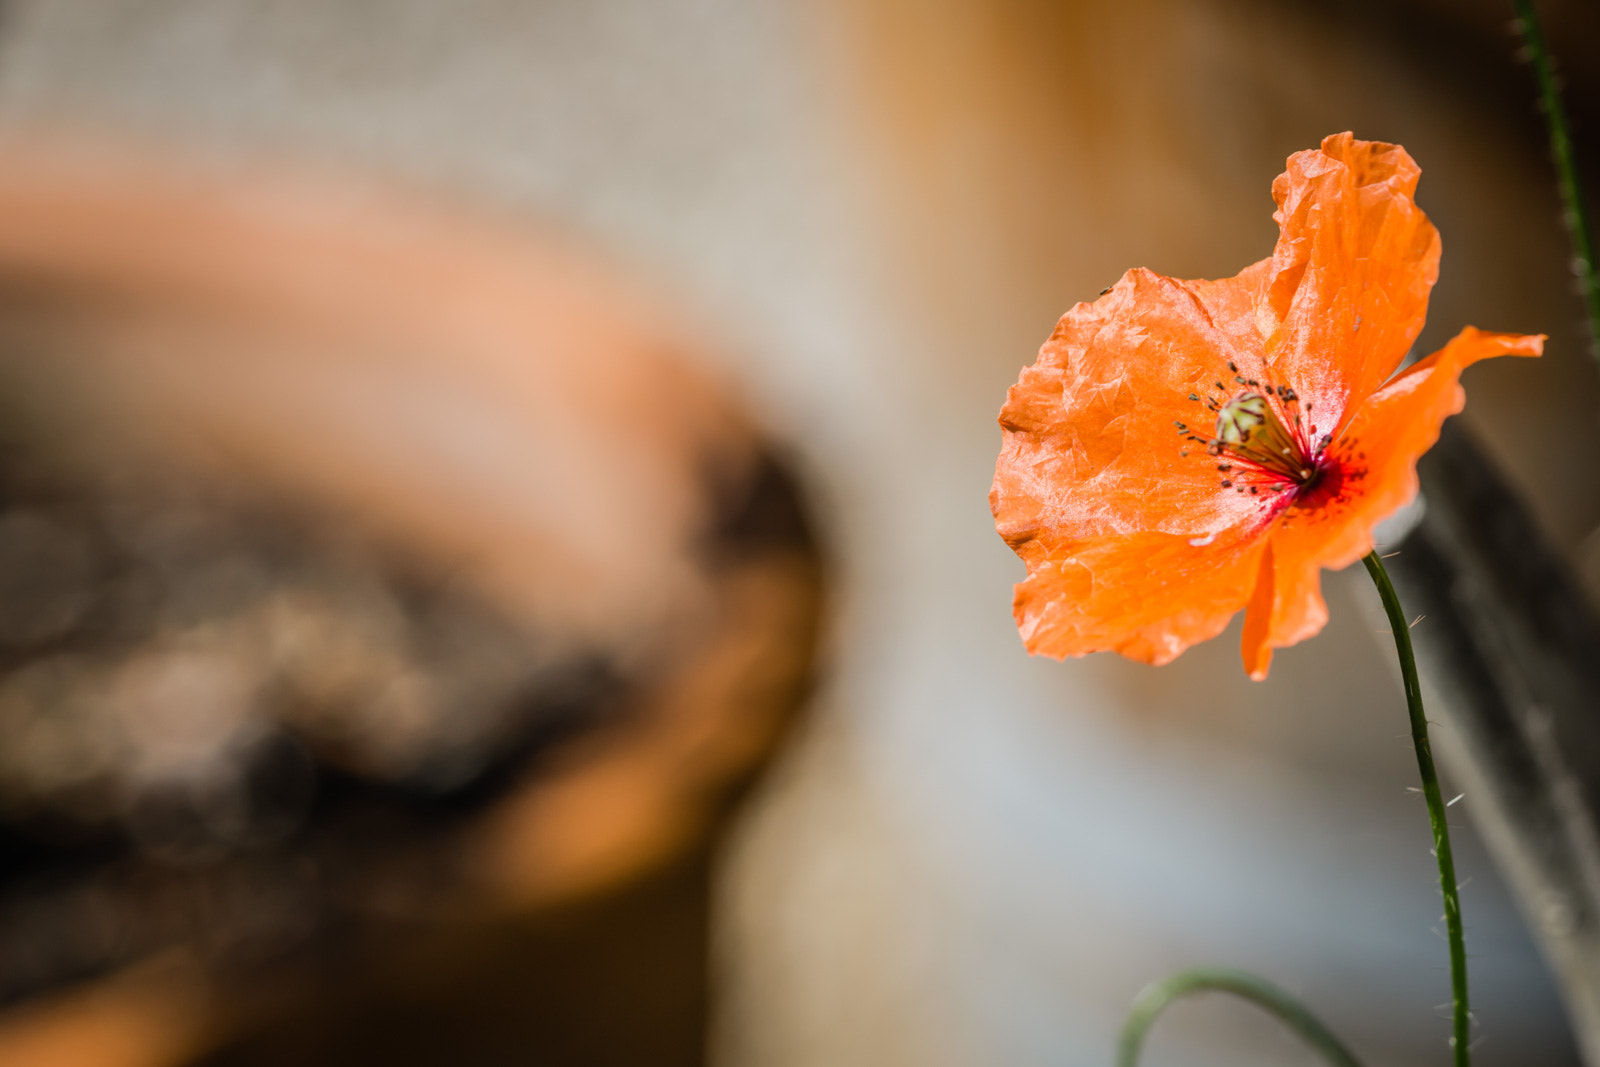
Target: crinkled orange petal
point(1285, 609)
point(1258, 619)
point(1148, 596)
point(1350, 277)
point(1092, 445)
point(1376, 460)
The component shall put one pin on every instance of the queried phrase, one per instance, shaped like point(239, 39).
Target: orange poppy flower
point(1183, 449)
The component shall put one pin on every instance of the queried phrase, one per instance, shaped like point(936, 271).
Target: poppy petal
point(1286, 608)
point(1350, 276)
point(1097, 439)
point(1256, 646)
point(1148, 596)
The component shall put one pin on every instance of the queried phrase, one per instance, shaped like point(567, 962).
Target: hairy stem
point(1459, 1040)
point(1265, 995)
point(1566, 167)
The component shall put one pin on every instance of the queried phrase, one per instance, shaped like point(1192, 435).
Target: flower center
point(1249, 429)
point(1262, 439)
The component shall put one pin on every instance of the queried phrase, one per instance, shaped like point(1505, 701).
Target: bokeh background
point(853, 223)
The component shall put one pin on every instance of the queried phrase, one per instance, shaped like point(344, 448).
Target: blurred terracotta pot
point(470, 397)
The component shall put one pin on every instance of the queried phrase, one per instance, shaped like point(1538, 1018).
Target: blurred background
point(496, 555)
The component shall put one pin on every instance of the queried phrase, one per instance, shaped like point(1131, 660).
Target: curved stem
point(1566, 167)
point(1436, 811)
point(1264, 994)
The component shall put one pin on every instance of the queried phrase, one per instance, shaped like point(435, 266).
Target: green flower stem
point(1430, 790)
point(1265, 995)
point(1566, 167)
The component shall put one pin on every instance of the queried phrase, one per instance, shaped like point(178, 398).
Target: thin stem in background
point(1264, 994)
point(1460, 1039)
point(1566, 167)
